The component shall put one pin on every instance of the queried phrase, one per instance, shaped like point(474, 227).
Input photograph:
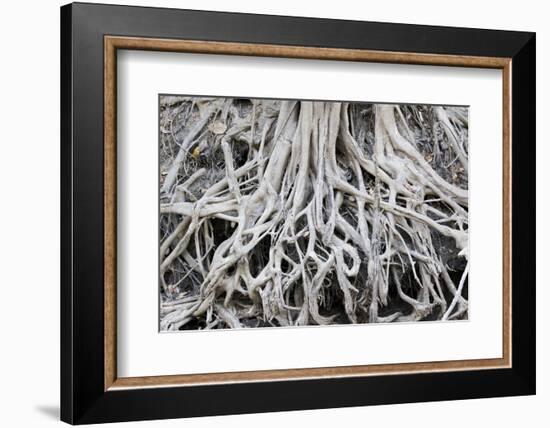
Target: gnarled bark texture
point(285, 213)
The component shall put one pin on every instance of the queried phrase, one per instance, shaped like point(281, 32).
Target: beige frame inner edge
point(112, 43)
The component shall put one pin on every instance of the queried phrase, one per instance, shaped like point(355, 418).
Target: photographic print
point(282, 213)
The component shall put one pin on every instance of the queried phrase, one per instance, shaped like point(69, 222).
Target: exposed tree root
point(285, 213)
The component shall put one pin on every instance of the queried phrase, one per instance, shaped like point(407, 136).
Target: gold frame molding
point(113, 43)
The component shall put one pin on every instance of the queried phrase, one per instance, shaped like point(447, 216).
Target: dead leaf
point(217, 127)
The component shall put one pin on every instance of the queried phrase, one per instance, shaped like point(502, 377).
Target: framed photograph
point(266, 213)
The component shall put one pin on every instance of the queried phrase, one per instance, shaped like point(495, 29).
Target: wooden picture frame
point(91, 391)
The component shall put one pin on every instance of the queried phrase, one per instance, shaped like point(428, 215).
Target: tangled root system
point(292, 213)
